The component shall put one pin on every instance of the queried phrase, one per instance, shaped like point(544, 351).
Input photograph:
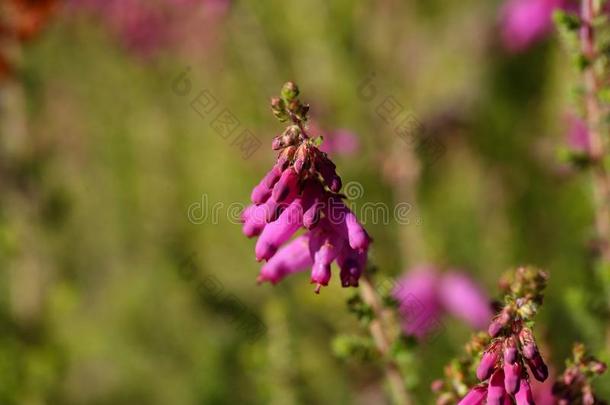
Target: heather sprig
point(574, 385)
point(506, 353)
point(302, 191)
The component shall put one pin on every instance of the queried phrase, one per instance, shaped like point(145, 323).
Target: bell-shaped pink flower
point(425, 295)
point(495, 389)
point(464, 299)
point(418, 300)
point(523, 22)
point(291, 258)
point(524, 395)
point(487, 364)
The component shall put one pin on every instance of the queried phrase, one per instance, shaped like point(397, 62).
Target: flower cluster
point(458, 375)
point(424, 295)
point(302, 191)
point(502, 368)
point(573, 386)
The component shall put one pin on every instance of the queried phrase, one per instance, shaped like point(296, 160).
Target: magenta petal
point(324, 246)
point(344, 221)
point(512, 377)
point(495, 388)
point(279, 231)
point(476, 396)
point(255, 219)
point(466, 300)
point(262, 191)
point(487, 365)
point(524, 395)
point(352, 265)
point(286, 184)
point(291, 258)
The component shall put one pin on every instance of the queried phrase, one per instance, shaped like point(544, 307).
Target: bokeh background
point(101, 159)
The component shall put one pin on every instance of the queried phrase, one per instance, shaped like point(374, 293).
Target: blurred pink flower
point(337, 142)
point(340, 142)
point(577, 134)
point(146, 26)
point(425, 295)
point(523, 22)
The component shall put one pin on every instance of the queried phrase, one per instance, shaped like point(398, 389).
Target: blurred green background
point(94, 231)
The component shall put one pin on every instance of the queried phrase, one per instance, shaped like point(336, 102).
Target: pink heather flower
point(465, 300)
point(144, 26)
point(495, 388)
point(488, 364)
point(291, 258)
point(524, 22)
point(424, 295)
point(418, 300)
point(476, 396)
point(524, 395)
point(301, 192)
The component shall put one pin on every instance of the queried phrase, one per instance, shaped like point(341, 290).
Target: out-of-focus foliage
point(102, 161)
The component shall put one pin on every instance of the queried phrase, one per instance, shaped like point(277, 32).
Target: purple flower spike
point(487, 364)
point(291, 258)
point(495, 388)
point(476, 396)
point(295, 194)
point(464, 299)
point(512, 377)
point(524, 395)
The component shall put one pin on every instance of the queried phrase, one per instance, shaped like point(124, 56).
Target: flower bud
point(512, 377)
point(289, 91)
point(495, 328)
point(510, 351)
point(487, 364)
point(538, 368)
point(524, 395)
point(495, 388)
point(278, 107)
point(597, 367)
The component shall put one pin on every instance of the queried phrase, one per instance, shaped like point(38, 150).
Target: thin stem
point(383, 341)
point(598, 149)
